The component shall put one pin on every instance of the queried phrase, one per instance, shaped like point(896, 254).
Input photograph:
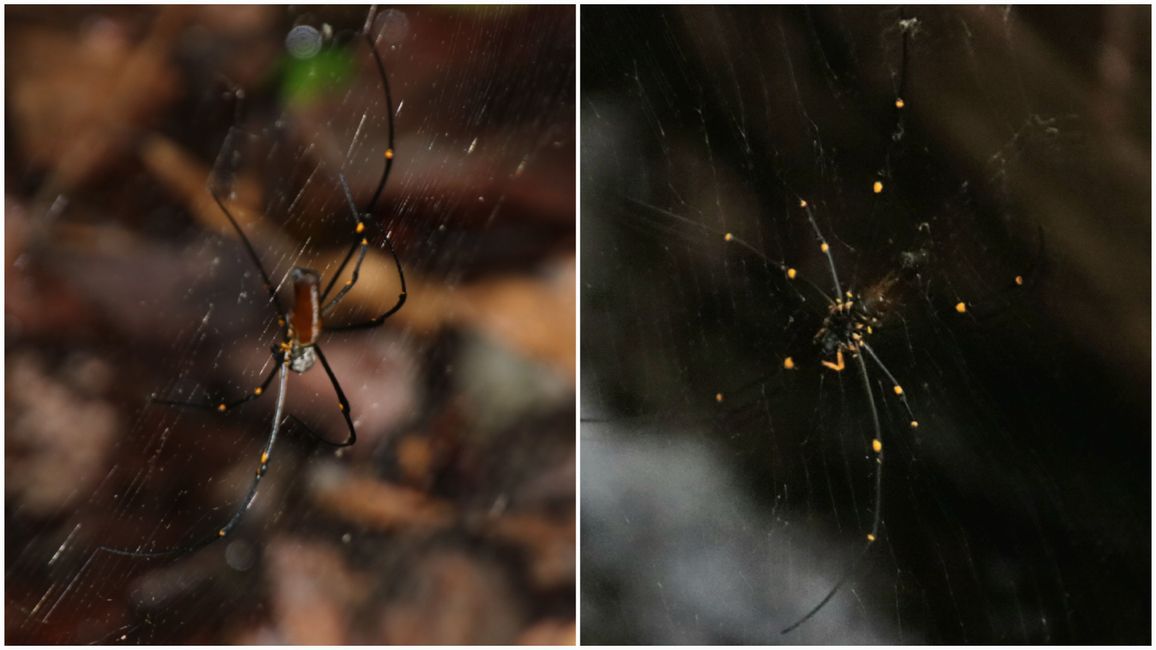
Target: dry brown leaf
point(550, 631)
point(313, 591)
point(551, 545)
point(78, 101)
point(378, 505)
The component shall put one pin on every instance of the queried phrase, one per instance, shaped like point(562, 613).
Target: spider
point(842, 340)
point(301, 326)
point(848, 321)
point(851, 319)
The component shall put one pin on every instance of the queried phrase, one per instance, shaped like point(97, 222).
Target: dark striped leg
point(222, 406)
point(262, 468)
point(342, 403)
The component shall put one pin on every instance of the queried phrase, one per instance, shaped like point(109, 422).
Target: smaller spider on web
point(849, 321)
point(845, 322)
point(842, 340)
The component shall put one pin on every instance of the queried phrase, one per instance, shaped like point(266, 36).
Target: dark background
point(452, 518)
point(1020, 510)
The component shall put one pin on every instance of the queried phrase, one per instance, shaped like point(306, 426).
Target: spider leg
point(758, 382)
point(269, 286)
point(847, 573)
point(375, 322)
point(824, 247)
point(731, 409)
point(788, 272)
point(838, 365)
point(342, 403)
point(895, 384)
point(369, 208)
point(877, 445)
point(308, 429)
point(225, 407)
point(262, 468)
point(371, 42)
point(363, 243)
point(360, 244)
point(221, 406)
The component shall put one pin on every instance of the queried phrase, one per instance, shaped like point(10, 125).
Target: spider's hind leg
point(221, 405)
point(282, 370)
point(342, 405)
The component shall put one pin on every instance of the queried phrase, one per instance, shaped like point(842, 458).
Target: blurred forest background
point(452, 518)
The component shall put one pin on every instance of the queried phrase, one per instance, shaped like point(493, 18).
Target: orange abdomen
point(306, 316)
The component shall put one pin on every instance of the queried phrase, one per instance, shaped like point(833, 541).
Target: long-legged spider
point(297, 349)
point(847, 317)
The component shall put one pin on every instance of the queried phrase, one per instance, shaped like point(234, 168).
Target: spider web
point(725, 523)
point(160, 298)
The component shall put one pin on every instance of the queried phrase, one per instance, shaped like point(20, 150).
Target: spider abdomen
point(305, 319)
point(306, 315)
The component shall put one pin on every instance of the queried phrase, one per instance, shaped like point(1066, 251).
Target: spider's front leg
point(360, 240)
point(360, 245)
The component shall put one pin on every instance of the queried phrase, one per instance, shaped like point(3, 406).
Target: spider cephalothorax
point(847, 323)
